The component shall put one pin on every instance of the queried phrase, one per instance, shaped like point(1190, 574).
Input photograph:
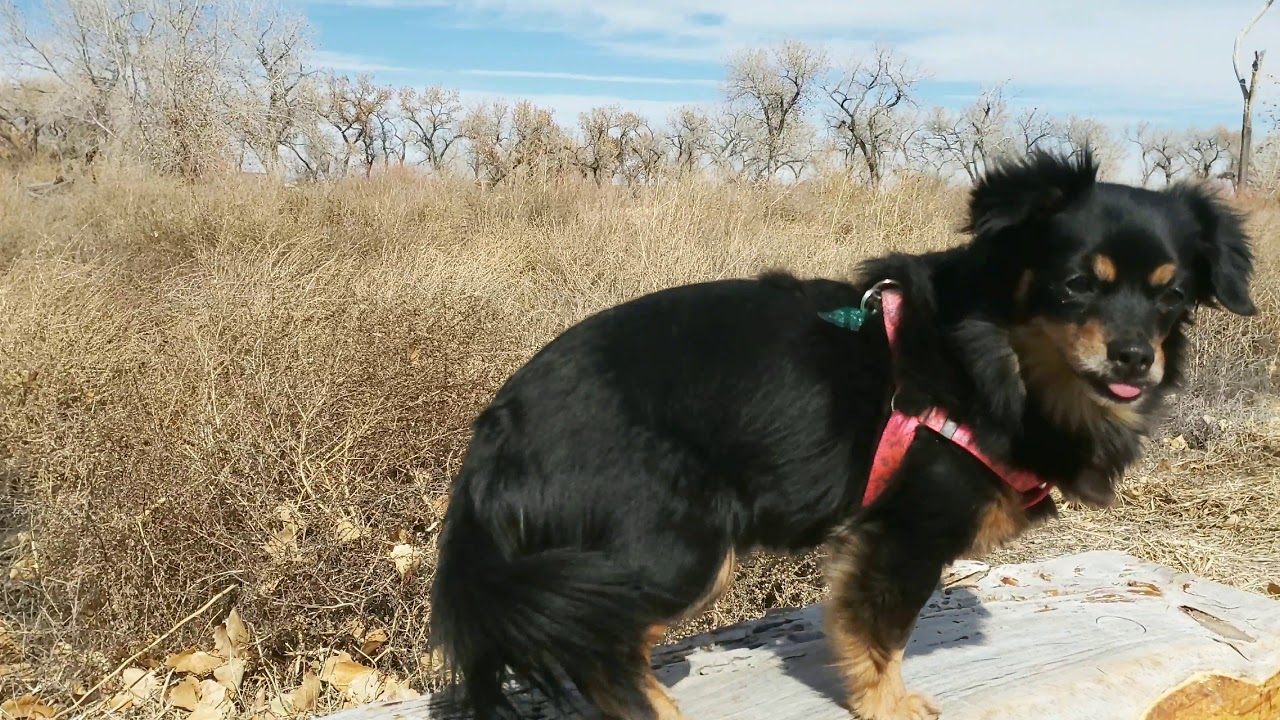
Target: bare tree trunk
point(1247, 90)
point(1246, 125)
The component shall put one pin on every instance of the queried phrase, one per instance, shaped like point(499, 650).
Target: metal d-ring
point(874, 294)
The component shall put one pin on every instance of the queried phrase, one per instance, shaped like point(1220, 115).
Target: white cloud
point(350, 62)
point(580, 77)
point(1166, 50)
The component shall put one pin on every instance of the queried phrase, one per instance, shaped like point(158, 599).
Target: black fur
point(611, 474)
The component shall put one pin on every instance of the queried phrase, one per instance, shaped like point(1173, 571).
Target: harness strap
point(901, 429)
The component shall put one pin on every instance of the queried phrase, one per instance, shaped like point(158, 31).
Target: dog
point(615, 478)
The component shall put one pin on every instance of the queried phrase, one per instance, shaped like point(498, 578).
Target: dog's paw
point(906, 706)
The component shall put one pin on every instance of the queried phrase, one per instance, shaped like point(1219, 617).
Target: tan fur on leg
point(660, 703)
point(872, 674)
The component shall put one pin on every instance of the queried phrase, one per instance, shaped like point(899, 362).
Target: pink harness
point(901, 428)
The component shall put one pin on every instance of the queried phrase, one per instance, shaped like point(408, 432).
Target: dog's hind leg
point(651, 702)
point(877, 590)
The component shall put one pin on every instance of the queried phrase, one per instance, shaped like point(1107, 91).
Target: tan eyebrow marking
point(1162, 275)
point(1104, 267)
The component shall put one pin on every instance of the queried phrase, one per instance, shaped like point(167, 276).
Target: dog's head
point(1101, 278)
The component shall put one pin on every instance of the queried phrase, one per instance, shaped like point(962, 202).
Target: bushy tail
point(541, 619)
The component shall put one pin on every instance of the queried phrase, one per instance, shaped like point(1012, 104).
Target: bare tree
point(1159, 151)
point(1036, 129)
point(503, 142)
point(1079, 133)
point(539, 147)
point(1247, 89)
point(644, 155)
point(775, 86)
point(604, 134)
point(487, 129)
point(274, 103)
point(434, 114)
point(730, 141)
point(178, 83)
point(392, 141)
point(352, 108)
point(866, 119)
point(85, 46)
point(689, 136)
point(968, 140)
point(1208, 154)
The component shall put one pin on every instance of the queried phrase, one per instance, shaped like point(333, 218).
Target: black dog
point(616, 476)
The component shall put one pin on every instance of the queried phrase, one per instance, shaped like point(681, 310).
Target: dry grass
point(238, 384)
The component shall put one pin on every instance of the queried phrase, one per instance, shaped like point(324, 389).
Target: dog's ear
point(1224, 260)
point(1020, 190)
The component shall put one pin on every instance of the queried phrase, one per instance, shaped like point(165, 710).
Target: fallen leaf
point(221, 643)
point(213, 704)
point(237, 633)
point(1273, 589)
point(185, 694)
point(193, 662)
point(17, 671)
point(23, 569)
point(373, 641)
point(25, 707)
point(1009, 581)
point(138, 686)
point(365, 688)
point(341, 671)
point(283, 544)
point(230, 674)
point(347, 531)
point(304, 698)
point(406, 558)
point(392, 690)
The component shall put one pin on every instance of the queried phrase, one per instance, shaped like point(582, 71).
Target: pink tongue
point(1125, 391)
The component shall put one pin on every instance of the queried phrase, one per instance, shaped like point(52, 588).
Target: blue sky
point(1164, 61)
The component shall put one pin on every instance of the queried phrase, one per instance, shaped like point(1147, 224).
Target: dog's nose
point(1131, 358)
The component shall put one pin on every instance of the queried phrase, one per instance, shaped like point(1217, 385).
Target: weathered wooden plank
point(1098, 635)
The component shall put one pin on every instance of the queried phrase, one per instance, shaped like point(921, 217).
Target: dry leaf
point(406, 558)
point(26, 707)
point(341, 671)
point(365, 688)
point(138, 686)
point(283, 545)
point(194, 662)
point(230, 674)
point(23, 569)
point(17, 671)
point(1273, 589)
point(213, 704)
point(347, 531)
point(185, 694)
point(231, 637)
point(237, 633)
point(304, 698)
point(393, 690)
point(373, 641)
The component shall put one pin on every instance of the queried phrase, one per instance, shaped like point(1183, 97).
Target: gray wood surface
point(1099, 635)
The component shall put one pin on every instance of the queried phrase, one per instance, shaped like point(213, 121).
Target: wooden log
point(1099, 635)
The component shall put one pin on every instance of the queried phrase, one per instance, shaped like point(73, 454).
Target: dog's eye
point(1079, 285)
point(1172, 296)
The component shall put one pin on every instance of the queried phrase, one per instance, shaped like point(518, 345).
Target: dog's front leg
point(879, 581)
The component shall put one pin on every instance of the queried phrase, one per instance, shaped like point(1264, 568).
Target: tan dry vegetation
point(237, 384)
